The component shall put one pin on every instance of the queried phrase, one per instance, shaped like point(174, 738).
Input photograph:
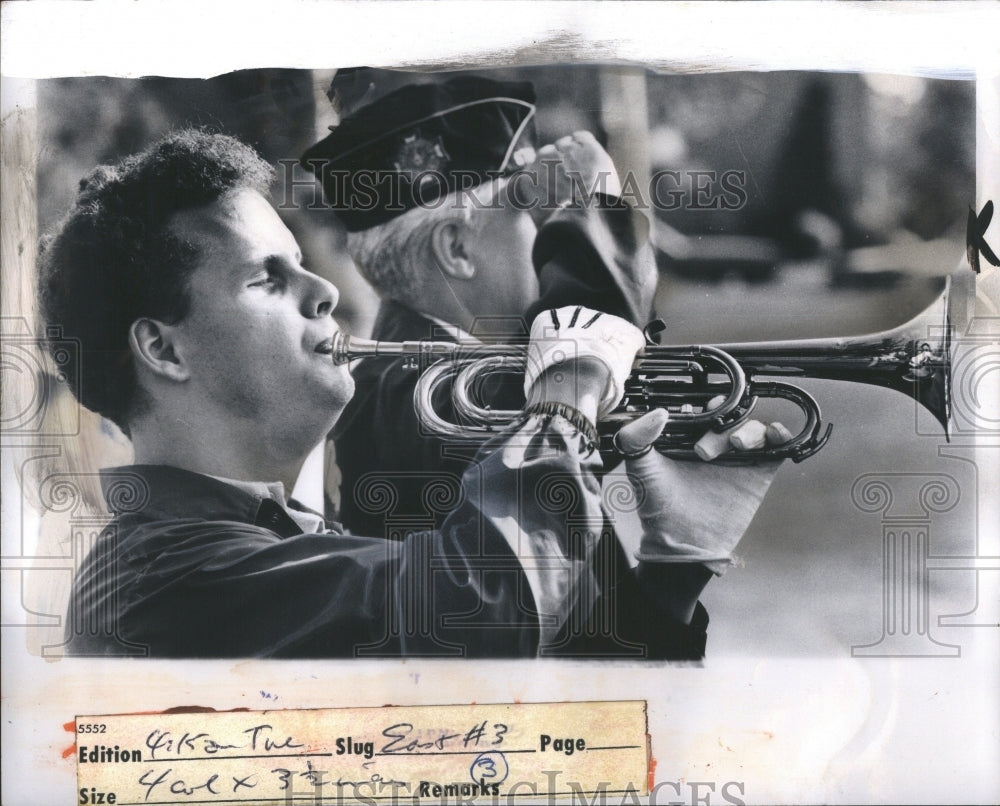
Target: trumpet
point(913, 358)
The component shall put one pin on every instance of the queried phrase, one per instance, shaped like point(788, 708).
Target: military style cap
point(421, 142)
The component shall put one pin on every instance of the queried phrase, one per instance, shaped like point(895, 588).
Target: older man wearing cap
point(430, 182)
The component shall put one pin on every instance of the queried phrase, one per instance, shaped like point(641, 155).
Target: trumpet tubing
point(913, 358)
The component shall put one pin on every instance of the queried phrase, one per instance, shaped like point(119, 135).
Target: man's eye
point(269, 280)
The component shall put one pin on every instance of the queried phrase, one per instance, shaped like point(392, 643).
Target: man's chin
point(336, 381)
point(339, 396)
point(345, 390)
point(318, 405)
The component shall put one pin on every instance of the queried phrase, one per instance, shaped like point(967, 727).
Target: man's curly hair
point(113, 258)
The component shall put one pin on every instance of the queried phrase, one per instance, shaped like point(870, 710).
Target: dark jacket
point(191, 566)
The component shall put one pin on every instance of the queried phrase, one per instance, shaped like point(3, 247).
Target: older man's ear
point(450, 245)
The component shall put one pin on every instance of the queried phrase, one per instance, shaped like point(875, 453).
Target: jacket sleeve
point(501, 574)
point(597, 255)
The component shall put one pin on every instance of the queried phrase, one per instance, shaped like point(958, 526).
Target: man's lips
point(325, 347)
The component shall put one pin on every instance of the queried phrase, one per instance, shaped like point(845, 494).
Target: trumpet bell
point(913, 358)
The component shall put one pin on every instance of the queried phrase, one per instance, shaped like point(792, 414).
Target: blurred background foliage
point(831, 165)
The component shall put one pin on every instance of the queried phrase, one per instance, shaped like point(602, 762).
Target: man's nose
point(320, 297)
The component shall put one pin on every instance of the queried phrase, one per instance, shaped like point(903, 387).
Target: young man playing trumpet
point(203, 336)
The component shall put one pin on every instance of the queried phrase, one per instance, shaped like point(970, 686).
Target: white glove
point(691, 511)
point(560, 336)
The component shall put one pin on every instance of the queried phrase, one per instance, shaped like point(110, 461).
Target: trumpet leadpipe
point(348, 348)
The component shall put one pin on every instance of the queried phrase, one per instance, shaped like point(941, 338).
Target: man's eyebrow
point(276, 263)
point(273, 263)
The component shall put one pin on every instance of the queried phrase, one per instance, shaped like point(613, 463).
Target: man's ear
point(153, 346)
point(449, 242)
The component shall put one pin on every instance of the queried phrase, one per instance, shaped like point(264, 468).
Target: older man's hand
point(691, 512)
point(571, 170)
point(580, 357)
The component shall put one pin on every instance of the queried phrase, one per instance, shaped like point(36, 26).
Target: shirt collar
point(158, 492)
point(308, 521)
